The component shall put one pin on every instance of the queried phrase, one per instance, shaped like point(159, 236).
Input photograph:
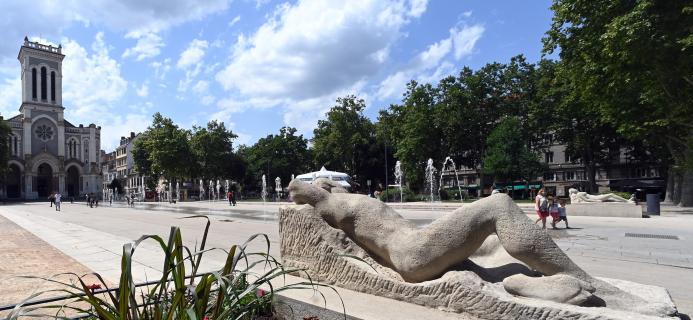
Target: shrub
point(236, 291)
point(625, 195)
point(392, 194)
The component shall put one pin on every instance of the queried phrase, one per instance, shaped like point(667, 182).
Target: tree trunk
point(686, 193)
point(669, 198)
point(676, 192)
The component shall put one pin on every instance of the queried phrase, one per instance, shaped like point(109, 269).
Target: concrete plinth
point(604, 209)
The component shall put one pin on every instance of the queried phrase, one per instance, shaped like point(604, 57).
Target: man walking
point(57, 201)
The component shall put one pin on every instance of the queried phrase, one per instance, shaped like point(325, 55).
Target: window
point(548, 157)
point(568, 158)
point(53, 85)
point(570, 175)
point(33, 83)
point(44, 132)
point(44, 84)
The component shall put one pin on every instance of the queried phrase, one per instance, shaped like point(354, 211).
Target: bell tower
point(42, 67)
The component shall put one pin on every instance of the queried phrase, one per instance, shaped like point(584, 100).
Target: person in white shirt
point(57, 201)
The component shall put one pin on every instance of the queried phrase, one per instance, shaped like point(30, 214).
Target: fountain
point(177, 191)
point(430, 182)
point(454, 168)
point(211, 190)
point(398, 180)
point(263, 194)
point(218, 187)
point(278, 187)
point(202, 189)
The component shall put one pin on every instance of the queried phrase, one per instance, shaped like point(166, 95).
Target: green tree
point(164, 150)
point(560, 110)
point(213, 149)
point(632, 61)
point(5, 132)
point(278, 155)
point(508, 158)
point(346, 141)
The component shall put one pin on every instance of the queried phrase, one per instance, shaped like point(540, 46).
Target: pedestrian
point(86, 195)
point(562, 214)
point(233, 198)
point(553, 211)
point(51, 198)
point(229, 195)
point(57, 201)
point(541, 206)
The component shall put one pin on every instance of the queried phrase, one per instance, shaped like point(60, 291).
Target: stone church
point(47, 152)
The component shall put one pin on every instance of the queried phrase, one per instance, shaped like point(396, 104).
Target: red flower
point(205, 318)
point(94, 286)
point(260, 293)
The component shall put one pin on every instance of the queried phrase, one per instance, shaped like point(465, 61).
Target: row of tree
point(624, 79)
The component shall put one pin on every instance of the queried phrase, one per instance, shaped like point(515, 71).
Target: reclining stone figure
point(422, 254)
point(583, 197)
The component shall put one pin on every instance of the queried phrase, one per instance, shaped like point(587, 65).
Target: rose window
point(44, 132)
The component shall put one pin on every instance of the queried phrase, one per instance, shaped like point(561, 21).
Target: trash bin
point(653, 204)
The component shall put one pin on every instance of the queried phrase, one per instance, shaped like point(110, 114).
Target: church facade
point(48, 153)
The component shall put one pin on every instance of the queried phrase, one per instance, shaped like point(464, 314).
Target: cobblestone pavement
point(24, 254)
point(599, 245)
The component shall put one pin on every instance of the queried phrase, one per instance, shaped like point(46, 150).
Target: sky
point(256, 65)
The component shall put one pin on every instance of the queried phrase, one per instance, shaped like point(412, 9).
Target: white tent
point(340, 177)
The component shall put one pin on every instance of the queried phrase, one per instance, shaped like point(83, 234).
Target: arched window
point(44, 84)
point(86, 151)
point(16, 151)
point(52, 85)
point(33, 83)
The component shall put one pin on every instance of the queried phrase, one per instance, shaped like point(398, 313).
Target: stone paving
point(24, 254)
point(95, 237)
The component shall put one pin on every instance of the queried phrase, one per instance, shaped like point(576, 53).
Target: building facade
point(621, 173)
point(48, 153)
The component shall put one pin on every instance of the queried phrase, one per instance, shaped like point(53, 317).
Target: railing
point(76, 295)
point(43, 47)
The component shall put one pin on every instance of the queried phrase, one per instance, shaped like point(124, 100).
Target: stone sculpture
point(425, 256)
point(583, 197)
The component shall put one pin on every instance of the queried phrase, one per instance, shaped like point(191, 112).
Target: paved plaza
point(654, 250)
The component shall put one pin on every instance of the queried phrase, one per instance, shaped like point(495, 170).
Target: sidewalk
point(24, 254)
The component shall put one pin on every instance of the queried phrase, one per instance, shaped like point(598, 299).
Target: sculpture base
point(307, 242)
point(604, 209)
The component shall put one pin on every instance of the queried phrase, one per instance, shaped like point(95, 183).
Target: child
point(561, 214)
point(553, 211)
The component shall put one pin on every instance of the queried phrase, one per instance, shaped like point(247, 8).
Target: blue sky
point(256, 65)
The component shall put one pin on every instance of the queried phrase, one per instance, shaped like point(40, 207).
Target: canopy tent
point(341, 178)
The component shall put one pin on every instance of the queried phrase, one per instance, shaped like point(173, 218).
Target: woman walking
point(541, 206)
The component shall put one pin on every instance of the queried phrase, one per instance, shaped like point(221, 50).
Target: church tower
point(48, 154)
point(41, 74)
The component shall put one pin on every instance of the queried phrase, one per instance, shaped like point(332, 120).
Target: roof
point(68, 124)
point(322, 173)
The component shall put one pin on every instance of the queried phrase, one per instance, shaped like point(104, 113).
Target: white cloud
point(49, 18)
point(143, 91)
point(148, 46)
point(193, 54)
point(314, 48)
point(465, 39)
point(10, 96)
point(121, 125)
point(91, 80)
point(234, 21)
point(460, 43)
point(161, 68)
point(201, 87)
point(467, 14)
